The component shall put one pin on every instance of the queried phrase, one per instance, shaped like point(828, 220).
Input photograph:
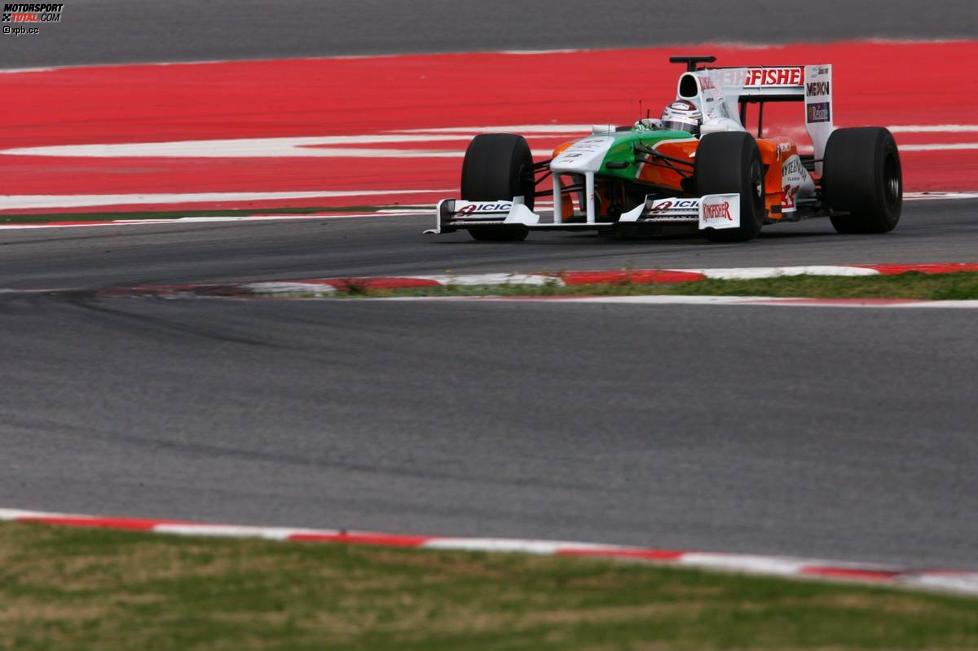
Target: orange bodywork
point(773, 151)
point(663, 175)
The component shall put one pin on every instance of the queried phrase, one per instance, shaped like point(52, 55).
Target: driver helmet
point(682, 115)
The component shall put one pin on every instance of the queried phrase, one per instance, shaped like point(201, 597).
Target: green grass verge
point(913, 285)
point(64, 589)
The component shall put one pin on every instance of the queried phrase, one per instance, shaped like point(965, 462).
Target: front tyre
point(729, 162)
point(498, 167)
point(863, 179)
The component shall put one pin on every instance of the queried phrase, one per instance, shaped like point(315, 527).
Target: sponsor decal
point(792, 166)
point(818, 112)
point(485, 207)
point(788, 198)
point(662, 205)
point(717, 211)
point(583, 147)
point(762, 77)
point(583, 154)
point(817, 88)
point(794, 177)
point(27, 16)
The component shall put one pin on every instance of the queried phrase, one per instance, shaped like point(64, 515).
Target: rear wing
point(723, 95)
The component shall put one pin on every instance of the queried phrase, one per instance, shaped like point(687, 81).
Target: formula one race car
point(695, 169)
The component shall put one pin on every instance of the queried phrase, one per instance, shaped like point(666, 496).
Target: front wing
point(716, 211)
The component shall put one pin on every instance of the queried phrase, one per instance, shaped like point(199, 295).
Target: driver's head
point(682, 115)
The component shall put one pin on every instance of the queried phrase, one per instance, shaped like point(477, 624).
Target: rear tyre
point(863, 179)
point(730, 162)
point(497, 167)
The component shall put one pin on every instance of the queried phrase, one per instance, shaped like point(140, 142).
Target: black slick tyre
point(862, 180)
point(498, 167)
point(729, 162)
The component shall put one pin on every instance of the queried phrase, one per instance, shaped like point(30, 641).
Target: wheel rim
point(757, 184)
point(891, 181)
point(527, 185)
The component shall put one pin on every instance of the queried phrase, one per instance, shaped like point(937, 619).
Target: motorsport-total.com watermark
point(28, 16)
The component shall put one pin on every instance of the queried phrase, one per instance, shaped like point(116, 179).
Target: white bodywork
point(818, 108)
point(583, 157)
point(719, 91)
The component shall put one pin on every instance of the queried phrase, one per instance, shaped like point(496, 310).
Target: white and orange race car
point(658, 176)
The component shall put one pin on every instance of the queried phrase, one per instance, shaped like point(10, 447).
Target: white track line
point(938, 196)
point(946, 146)
point(762, 301)
point(33, 201)
point(933, 128)
point(559, 129)
point(196, 220)
point(39, 201)
point(339, 146)
point(297, 147)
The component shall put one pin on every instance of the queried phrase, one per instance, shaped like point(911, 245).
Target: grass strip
point(912, 285)
point(63, 588)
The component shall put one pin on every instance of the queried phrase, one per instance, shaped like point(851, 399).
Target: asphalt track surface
point(107, 256)
point(831, 433)
point(112, 31)
point(836, 433)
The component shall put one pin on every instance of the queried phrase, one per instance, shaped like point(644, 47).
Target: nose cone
point(585, 155)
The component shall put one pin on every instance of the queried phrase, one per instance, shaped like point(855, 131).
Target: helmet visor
point(682, 124)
